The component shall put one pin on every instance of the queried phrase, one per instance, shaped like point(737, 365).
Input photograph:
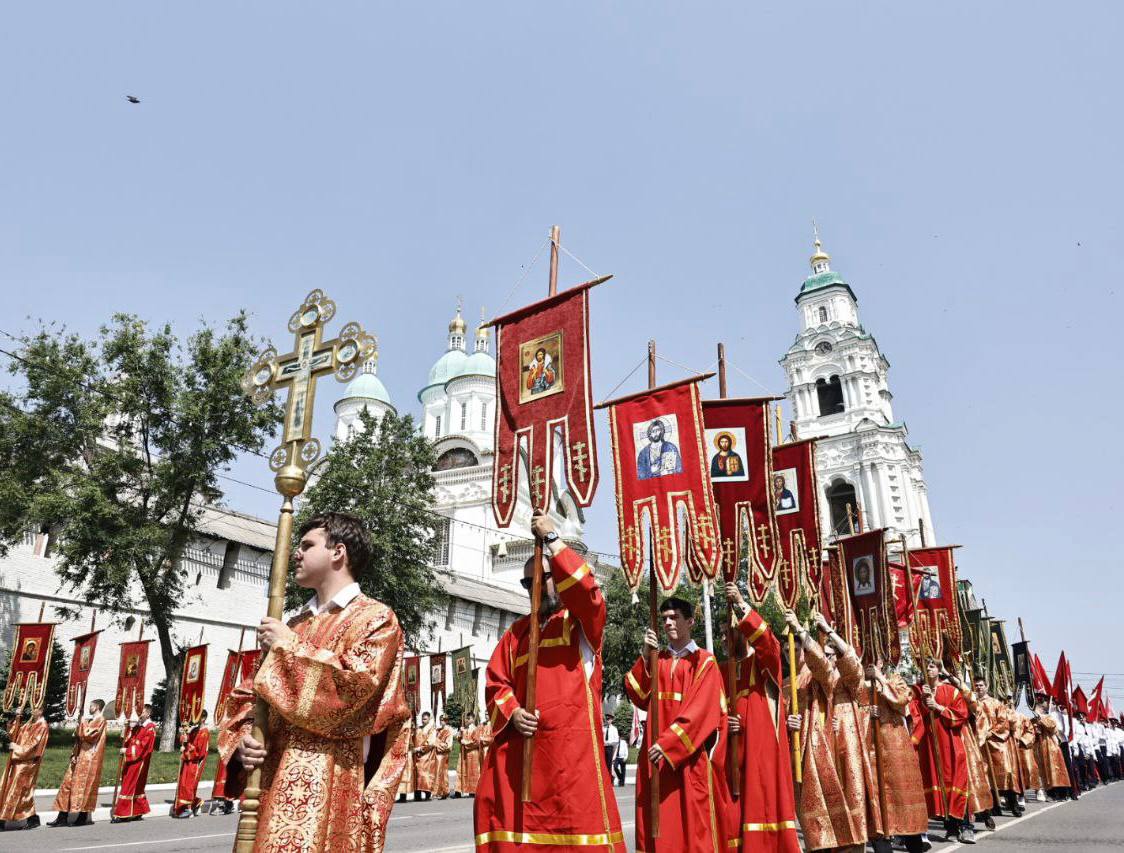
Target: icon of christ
point(726, 462)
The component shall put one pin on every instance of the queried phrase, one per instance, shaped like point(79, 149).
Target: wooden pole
point(878, 760)
point(93, 619)
point(794, 698)
point(937, 745)
point(42, 609)
point(734, 743)
point(536, 582)
point(851, 519)
point(921, 531)
point(653, 655)
point(780, 423)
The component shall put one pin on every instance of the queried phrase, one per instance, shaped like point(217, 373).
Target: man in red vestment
point(766, 810)
point(939, 714)
point(131, 803)
point(688, 752)
point(193, 755)
point(572, 806)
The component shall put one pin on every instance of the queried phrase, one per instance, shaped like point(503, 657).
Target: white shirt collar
point(691, 646)
point(341, 599)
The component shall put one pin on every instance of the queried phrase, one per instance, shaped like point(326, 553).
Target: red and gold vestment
point(939, 739)
point(79, 789)
point(904, 809)
point(138, 745)
point(17, 798)
point(193, 755)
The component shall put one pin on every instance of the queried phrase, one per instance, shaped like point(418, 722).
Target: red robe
point(572, 806)
point(696, 811)
point(193, 757)
point(218, 790)
point(131, 799)
point(766, 811)
point(953, 760)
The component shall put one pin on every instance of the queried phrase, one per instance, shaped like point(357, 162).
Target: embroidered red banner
point(795, 507)
point(413, 683)
point(661, 471)
point(228, 683)
point(870, 597)
point(193, 685)
point(904, 599)
point(825, 586)
point(436, 680)
point(737, 452)
point(250, 660)
point(130, 678)
point(543, 385)
point(936, 624)
point(31, 660)
point(81, 662)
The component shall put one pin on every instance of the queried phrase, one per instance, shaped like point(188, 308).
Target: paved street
point(1094, 824)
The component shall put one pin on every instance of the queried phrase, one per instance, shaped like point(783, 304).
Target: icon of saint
point(658, 457)
point(726, 462)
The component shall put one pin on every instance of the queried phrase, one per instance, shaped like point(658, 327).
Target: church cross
point(664, 545)
point(579, 458)
point(728, 552)
point(705, 529)
point(629, 547)
point(763, 533)
point(538, 481)
point(786, 573)
point(505, 483)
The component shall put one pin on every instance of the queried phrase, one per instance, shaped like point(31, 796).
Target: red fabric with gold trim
point(193, 683)
point(737, 450)
point(792, 492)
point(937, 619)
point(412, 668)
point(826, 585)
point(229, 680)
point(31, 659)
point(870, 597)
point(130, 678)
point(249, 666)
point(661, 470)
point(81, 662)
point(904, 602)
point(543, 386)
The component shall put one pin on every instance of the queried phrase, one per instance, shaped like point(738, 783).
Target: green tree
point(117, 444)
point(58, 682)
point(383, 474)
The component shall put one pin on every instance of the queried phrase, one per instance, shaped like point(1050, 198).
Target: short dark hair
point(100, 703)
point(347, 530)
point(680, 605)
point(147, 707)
point(203, 716)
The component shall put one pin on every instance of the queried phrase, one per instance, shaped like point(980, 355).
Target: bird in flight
point(132, 99)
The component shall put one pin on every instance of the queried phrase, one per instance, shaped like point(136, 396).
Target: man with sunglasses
point(571, 807)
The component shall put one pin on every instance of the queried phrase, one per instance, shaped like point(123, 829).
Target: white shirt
point(691, 646)
point(341, 599)
point(612, 740)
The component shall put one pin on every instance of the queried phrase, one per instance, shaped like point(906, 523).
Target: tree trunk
point(173, 664)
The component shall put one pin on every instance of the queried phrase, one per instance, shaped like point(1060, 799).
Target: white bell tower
point(839, 392)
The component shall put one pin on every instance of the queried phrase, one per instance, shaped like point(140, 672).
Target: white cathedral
point(838, 391)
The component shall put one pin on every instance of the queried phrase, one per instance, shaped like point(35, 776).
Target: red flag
point(130, 678)
point(249, 665)
point(31, 660)
point(937, 620)
point(1096, 703)
point(661, 471)
point(1080, 703)
point(796, 512)
point(737, 447)
point(193, 685)
point(904, 599)
point(870, 596)
point(542, 378)
point(81, 662)
point(1041, 681)
point(1060, 690)
point(229, 680)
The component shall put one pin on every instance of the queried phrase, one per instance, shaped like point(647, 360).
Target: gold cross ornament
point(297, 372)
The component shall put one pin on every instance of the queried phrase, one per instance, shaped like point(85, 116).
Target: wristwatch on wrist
point(549, 538)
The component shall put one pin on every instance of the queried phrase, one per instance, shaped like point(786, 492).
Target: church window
point(830, 396)
point(437, 427)
point(441, 543)
point(464, 416)
point(841, 498)
point(483, 416)
point(456, 457)
point(823, 314)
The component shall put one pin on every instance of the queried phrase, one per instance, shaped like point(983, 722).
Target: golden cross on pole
point(297, 372)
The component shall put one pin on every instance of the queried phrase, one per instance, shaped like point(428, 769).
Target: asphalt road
point(1092, 825)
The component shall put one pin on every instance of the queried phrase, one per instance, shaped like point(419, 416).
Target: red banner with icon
point(737, 452)
point(193, 685)
point(412, 669)
point(543, 388)
point(31, 660)
point(905, 600)
point(436, 680)
point(873, 621)
point(661, 472)
point(936, 622)
point(228, 683)
point(81, 662)
point(795, 507)
point(130, 678)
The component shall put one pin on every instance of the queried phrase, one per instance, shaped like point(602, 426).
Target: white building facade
point(839, 392)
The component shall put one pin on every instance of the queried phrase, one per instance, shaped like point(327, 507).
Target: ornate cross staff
point(297, 372)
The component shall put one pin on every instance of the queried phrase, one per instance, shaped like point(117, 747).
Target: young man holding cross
point(571, 807)
point(332, 678)
point(688, 753)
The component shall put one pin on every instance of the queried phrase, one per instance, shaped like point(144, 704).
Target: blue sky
point(963, 164)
